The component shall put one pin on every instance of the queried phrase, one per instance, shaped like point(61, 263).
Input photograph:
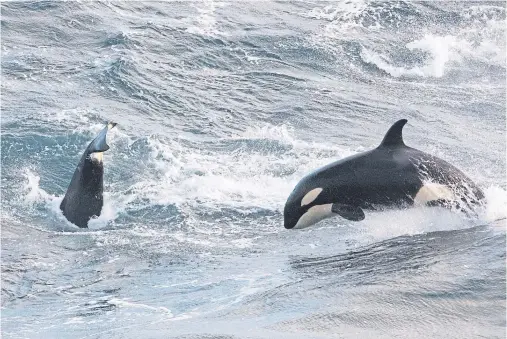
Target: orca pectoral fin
point(349, 212)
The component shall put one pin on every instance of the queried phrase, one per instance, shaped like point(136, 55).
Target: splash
point(391, 223)
point(260, 168)
point(441, 51)
point(110, 211)
point(33, 191)
point(35, 196)
point(496, 204)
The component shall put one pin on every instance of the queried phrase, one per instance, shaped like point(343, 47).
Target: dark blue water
point(221, 108)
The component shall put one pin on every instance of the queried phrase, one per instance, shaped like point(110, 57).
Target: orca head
point(303, 208)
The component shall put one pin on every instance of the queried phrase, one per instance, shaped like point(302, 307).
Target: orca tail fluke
point(99, 144)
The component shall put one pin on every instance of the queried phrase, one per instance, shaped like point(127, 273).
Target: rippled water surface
point(221, 108)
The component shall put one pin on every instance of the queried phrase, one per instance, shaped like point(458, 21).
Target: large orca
point(84, 199)
point(391, 175)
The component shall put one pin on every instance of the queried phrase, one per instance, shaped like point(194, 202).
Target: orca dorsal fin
point(394, 137)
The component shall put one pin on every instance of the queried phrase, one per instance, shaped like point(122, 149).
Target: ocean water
point(221, 108)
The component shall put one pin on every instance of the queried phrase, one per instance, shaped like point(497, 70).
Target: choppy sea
point(221, 108)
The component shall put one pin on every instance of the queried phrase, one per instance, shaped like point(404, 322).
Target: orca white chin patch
point(314, 215)
point(311, 196)
point(97, 156)
point(431, 191)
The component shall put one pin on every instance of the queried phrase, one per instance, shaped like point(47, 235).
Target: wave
point(475, 39)
point(250, 175)
point(439, 51)
point(438, 48)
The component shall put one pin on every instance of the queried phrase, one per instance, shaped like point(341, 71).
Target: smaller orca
point(391, 175)
point(84, 197)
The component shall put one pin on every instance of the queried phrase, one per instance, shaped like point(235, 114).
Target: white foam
point(75, 320)
point(75, 115)
point(243, 242)
point(418, 220)
point(343, 16)
point(441, 49)
point(496, 204)
point(129, 304)
point(396, 222)
point(33, 192)
point(109, 212)
point(243, 178)
point(350, 20)
point(205, 23)
point(281, 133)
